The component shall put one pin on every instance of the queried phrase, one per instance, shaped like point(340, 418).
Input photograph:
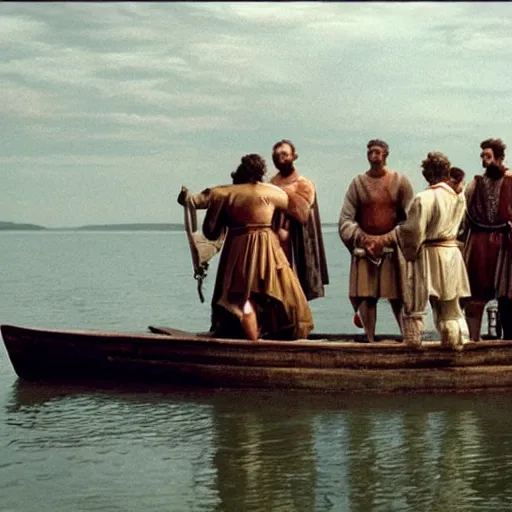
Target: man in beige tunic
point(374, 205)
point(435, 268)
point(299, 228)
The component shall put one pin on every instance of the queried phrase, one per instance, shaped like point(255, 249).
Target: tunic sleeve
point(412, 233)
point(406, 196)
point(301, 200)
point(463, 231)
point(200, 201)
point(468, 191)
point(281, 200)
point(214, 223)
point(348, 228)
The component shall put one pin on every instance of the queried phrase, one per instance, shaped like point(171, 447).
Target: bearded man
point(375, 203)
point(487, 250)
point(299, 228)
point(435, 270)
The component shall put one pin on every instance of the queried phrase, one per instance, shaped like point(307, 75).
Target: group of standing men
point(444, 245)
point(273, 258)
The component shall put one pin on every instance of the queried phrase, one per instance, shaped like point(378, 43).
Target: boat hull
point(189, 359)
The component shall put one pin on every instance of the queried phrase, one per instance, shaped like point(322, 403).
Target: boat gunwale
point(193, 338)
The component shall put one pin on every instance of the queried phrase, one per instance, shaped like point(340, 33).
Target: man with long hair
point(256, 292)
point(374, 205)
point(487, 250)
point(435, 270)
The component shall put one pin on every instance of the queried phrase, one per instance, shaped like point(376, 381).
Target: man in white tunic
point(434, 268)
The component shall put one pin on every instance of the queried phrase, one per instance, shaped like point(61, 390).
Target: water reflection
point(252, 450)
point(265, 457)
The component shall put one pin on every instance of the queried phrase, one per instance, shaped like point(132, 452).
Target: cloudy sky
point(108, 108)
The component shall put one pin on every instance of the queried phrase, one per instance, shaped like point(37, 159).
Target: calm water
point(118, 448)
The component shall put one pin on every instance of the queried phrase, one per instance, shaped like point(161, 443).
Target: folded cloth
point(202, 250)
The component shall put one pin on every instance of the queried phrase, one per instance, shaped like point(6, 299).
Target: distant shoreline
point(16, 226)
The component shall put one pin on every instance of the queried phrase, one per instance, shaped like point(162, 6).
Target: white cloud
point(133, 86)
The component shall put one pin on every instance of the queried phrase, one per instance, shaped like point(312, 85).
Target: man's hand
point(182, 196)
point(373, 245)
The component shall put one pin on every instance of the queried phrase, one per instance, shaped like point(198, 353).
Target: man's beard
point(285, 168)
point(377, 164)
point(494, 172)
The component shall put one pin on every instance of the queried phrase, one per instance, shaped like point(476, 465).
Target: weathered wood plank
point(192, 358)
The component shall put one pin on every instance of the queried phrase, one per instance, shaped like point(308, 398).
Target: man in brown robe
point(256, 292)
point(299, 228)
point(375, 203)
point(487, 250)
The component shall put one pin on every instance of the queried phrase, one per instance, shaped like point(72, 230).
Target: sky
point(108, 108)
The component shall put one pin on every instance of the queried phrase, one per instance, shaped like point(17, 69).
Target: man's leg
point(249, 322)
point(396, 306)
point(412, 329)
point(474, 310)
point(368, 315)
point(450, 323)
point(505, 312)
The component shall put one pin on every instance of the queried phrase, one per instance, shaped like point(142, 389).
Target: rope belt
point(441, 242)
point(478, 227)
point(249, 228)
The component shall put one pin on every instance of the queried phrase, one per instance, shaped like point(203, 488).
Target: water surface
point(113, 447)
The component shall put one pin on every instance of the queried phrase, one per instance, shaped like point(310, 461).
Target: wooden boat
point(323, 362)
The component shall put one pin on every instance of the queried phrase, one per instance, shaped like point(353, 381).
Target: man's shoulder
point(303, 179)
point(269, 185)
point(399, 176)
point(296, 177)
point(305, 185)
point(270, 188)
point(426, 195)
point(362, 176)
point(218, 190)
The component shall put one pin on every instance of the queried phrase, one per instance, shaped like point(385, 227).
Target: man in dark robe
point(299, 228)
point(487, 250)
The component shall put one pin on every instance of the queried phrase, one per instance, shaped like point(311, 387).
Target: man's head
point(492, 155)
point(456, 179)
point(436, 167)
point(377, 153)
point(283, 156)
point(251, 170)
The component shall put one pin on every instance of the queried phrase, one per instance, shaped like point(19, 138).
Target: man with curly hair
point(435, 269)
point(256, 292)
point(487, 250)
point(299, 228)
point(374, 205)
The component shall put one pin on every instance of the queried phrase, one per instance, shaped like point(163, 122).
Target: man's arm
point(200, 201)
point(301, 196)
point(348, 229)
point(214, 223)
point(463, 231)
point(405, 197)
point(412, 233)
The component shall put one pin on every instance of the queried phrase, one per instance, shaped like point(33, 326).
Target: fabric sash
point(201, 249)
